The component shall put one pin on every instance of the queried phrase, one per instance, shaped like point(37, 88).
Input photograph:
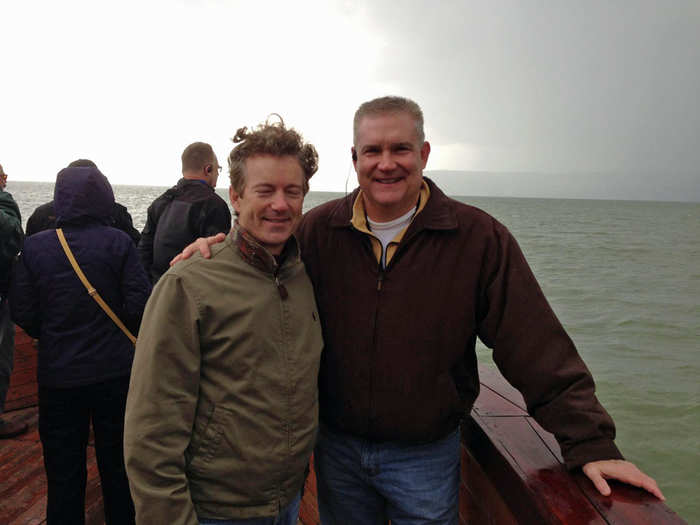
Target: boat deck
point(511, 468)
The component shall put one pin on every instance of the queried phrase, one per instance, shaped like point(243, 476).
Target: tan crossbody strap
point(90, 289)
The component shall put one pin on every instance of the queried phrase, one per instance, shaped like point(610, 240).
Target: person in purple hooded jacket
point(84, 358)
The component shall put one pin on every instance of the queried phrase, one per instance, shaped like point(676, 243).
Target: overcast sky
point(562, 87)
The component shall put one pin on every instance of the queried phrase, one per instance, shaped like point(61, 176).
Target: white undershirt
point(387, 231)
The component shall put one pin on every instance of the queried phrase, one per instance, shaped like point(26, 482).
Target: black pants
point(64, 426)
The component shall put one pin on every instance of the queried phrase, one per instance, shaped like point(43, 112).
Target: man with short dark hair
point(428, 276)
point(222, 411)
point(10, 244)
point(44, 216)
point(188, 210)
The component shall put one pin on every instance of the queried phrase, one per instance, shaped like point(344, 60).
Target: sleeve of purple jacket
point(135, 289)
point(24, 299)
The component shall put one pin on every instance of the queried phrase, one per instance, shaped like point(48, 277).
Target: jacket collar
point(257, 255)
point(437, 214)
point(183, 182)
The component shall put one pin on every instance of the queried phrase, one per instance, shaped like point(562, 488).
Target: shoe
point(11, 429)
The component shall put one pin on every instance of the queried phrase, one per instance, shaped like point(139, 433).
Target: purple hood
point(82, 194)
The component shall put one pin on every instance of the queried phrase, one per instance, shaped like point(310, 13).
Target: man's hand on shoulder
point(200, 245)
point(620, 470)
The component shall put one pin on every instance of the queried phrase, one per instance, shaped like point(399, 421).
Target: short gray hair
point(390, 104)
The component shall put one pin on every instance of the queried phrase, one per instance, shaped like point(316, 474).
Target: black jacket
point(44, 218)
point(186, 211)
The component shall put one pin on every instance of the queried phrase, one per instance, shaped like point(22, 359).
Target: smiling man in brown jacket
point(222, 410)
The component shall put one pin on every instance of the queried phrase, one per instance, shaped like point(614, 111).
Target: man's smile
point(389, 180)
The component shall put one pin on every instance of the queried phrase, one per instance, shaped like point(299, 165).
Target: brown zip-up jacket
point(399, 360)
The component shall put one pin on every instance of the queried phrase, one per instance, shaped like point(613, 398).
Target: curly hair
point(270, 139)
point(390, 104)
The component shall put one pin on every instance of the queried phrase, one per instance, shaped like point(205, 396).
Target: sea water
point(624, 279)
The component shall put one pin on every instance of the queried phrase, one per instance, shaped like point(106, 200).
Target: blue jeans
point(369, 483)
point(288, 516)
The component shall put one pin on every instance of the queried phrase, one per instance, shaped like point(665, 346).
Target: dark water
point(624, 279)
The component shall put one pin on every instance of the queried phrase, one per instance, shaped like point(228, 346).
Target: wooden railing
point(512, 471)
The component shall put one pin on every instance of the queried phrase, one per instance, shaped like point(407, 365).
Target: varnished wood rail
point(511, 468)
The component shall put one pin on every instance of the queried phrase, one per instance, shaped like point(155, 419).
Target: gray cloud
point(553, 86)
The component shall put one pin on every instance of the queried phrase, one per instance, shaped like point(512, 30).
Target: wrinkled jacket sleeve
point(135, 289)
point(24, 299)
point(161, 405)
point(536, 356)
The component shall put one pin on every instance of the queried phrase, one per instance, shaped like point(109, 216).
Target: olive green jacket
point(222, 411)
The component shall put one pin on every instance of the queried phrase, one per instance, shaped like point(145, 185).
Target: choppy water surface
point(624, 279)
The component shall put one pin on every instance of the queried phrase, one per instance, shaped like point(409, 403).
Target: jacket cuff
point(588, 451)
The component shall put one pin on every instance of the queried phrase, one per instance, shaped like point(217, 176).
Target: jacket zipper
point(282, 290)
point(372, 416)
point(280, 287)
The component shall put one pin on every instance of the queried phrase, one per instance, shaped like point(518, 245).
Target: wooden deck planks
point(22, 475)
point(23, 479)
point(23, 390)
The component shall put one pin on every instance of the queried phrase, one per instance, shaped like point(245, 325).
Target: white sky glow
point(557, 87)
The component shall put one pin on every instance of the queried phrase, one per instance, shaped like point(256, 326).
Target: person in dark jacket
point(84, 358)
point(44, 216)
point(188, 210)
point(10, 244)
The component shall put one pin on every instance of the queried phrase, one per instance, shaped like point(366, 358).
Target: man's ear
point(425, 152)
point(353, 154)
point(234, 197)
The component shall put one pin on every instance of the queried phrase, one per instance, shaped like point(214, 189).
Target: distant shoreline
point(447, 187)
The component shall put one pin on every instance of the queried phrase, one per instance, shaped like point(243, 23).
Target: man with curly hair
point(222, 415)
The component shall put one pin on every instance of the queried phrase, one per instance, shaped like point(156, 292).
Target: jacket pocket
point(451, 402)
point(207, 437)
